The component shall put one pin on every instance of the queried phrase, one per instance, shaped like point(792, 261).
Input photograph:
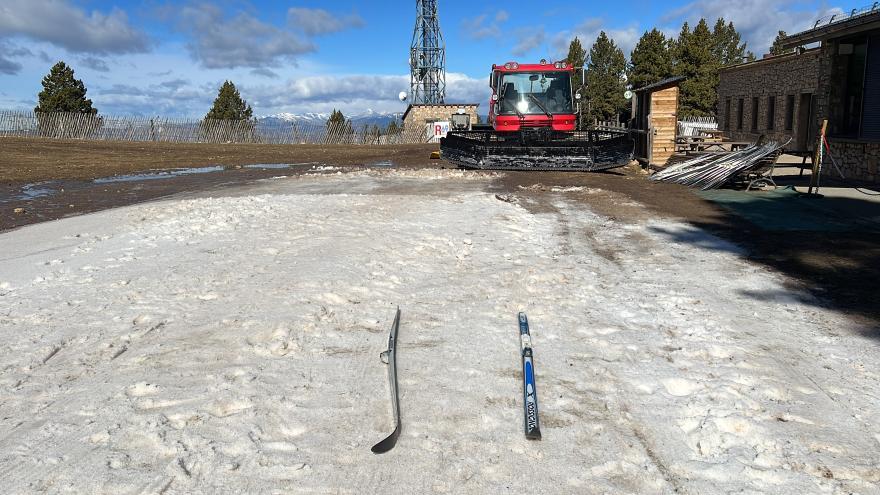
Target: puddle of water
point(384, 163)
point(278, 166)
point(33, 191)
point(165, 174)
point(28, 192)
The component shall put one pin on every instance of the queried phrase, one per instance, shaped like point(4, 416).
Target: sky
point(169, 58)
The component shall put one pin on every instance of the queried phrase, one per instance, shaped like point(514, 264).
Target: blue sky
point(169, 58)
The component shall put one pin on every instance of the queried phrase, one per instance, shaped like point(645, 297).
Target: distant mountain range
point(368, 118)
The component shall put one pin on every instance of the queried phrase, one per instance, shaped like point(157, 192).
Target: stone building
point(789, 96)
point(424, 114)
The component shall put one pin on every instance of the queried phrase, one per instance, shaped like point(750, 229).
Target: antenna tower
point(427, 56)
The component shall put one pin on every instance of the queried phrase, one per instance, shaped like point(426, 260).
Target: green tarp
point(787, 209)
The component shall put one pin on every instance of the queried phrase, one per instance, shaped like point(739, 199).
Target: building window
point(755, 101)
point(789, 112)
point(727, 114)
point(771, 113)
point(848, 85)
point(739, 114)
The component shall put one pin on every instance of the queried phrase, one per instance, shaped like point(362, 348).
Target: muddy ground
point(842, 269)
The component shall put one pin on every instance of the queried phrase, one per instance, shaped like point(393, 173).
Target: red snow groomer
point(533, 126)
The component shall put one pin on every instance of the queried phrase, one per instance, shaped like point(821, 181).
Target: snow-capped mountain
point(369, 117)
point(296, 117)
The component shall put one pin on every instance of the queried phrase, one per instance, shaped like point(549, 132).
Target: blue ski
point(530, 393)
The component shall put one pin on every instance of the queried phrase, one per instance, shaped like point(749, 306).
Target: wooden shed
point(655, 121)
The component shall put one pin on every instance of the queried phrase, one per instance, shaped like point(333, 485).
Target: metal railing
point(187, 130)
point(838, 17)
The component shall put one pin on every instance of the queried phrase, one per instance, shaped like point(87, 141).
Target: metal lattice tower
point(427, 56)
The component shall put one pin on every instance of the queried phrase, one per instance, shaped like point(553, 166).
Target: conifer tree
point(696, 61)
point(576, 58)
point(229, 105)
point(650, 60)
point(605, 86)
point(62, 92)
point(336, 119)
point(777, 49)
point(338, 126)
point(726, 46)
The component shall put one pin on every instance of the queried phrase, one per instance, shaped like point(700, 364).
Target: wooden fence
point(608, 124)
point(185, 130)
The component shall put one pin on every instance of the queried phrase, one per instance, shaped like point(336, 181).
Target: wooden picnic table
point(738, 145)
point(698, 143)
point(715, 133)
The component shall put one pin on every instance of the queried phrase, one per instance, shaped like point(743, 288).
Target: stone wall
point(779, 77)
point(857, 160)
point(422, 114)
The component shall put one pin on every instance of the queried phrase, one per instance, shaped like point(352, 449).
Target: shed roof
point(665, 83)
point(834, 26)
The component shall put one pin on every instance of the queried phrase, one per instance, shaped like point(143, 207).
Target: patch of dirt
point(67, 169)
point(34, 160)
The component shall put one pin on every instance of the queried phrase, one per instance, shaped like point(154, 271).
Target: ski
point(389, 357)
point(530, 393)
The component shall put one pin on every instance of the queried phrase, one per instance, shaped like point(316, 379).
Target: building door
point(805, 135)
point(871, 111)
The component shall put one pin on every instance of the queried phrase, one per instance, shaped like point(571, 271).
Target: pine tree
point(229, 105)
point(336, 119)
point(576, 58)
point(675, 48)
point(650, 60)
point(696, 61)
point(777, 49)
point(726, 46)
point(62, 92)
point(337, 126)
point(605, 86)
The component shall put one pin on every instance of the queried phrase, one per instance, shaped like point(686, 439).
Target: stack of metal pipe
point(711, 171)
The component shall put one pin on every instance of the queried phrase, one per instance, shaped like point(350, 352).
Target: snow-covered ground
point(231, 344)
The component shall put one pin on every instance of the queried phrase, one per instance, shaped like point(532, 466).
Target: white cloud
point(169, 98)
point(758, 21)
point(95, 64)
point(528, 40)
point(461, 88)
point(315, 22)
point(9, 66)
point(588, 30)
point(8, 51)
point(219, 42)
point(354, 94)
point(478, 28)
point(69, 27)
